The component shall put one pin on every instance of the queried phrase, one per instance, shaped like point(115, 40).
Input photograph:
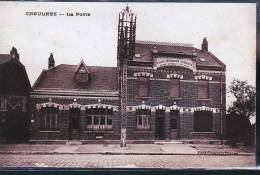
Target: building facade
point(158, 91)
point(14, 99)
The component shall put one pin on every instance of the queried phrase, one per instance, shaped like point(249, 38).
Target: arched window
point(49, 118)
point(99, 119)
point(142, 119)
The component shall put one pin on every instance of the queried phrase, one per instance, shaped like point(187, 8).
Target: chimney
point(14, 54)
point(204, 45)
point(51, 63)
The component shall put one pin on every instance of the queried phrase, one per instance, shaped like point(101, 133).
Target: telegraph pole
point(125, 52)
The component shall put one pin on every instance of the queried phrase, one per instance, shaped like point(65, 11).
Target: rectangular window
point(175, 88)
point(143, 86)
point(49, 119)
point(142, 118)
point(99, 119)
point(203, 121)
point(203, 89)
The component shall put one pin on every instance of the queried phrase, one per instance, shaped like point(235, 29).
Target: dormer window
point(82, 73)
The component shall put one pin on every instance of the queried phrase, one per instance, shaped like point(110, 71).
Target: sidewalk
point(131, 149)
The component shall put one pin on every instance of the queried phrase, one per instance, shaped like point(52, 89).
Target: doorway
point(74, 124)
point(159, 125)
point(174, 124)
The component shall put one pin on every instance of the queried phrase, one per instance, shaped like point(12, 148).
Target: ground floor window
point(99, 119)
point(203, 121)
point(142, 118)
point(49, 119)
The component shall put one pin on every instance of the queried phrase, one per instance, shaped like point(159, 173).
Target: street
point(126, 161)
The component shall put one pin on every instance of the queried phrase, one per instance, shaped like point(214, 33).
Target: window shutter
point(175, 88)
point(203, 89)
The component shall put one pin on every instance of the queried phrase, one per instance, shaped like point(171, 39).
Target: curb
point(127, 153)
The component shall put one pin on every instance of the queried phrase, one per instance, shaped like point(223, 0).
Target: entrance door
point(159, 125)
point(74, 127)
point(174, 124)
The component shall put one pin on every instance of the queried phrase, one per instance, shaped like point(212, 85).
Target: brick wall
point(160, 94)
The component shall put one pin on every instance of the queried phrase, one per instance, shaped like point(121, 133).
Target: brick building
point(158, 90)
point(14, 99)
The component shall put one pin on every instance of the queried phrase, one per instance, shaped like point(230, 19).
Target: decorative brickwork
point(169, 106)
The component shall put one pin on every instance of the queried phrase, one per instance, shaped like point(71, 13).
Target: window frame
point(171, 87)
point(143, 115)
point(50, 114)
point(199, 85)
point(143, 81)
point(197, 127)
point(99, 114)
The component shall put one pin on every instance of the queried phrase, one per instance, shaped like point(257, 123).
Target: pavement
point(161, 155)
point(125, 161)
point(131, 149)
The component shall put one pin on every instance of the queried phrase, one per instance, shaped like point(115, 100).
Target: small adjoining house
point(14, 99)
point(158, 91)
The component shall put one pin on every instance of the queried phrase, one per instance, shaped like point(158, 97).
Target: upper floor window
point(143, 86)
point(175, 88)
point(142, 118)
point(50, 119)
point(82, 73)
point(203, 89)
point(99, 119)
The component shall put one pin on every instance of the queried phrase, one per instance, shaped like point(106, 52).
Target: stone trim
point(204, 108)
point(178, 76)
point(160, 107)
point(129, 108)
point(173, 107)
point(74, 105)
point(176, 107)
point(49, 104)
point(99, 105)
point(143, 74)
point(203, 77)
point(142, 106)
point(72, 97)
point(73, 92)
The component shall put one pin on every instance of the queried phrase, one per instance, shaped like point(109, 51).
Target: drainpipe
point(221, 110)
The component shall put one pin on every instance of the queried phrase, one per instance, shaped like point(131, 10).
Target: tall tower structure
point(125, 52)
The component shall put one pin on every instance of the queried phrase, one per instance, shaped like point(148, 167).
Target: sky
point(230, 29)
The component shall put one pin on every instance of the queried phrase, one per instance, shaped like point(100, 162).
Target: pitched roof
point(145, 48)
point(62, 77)
point(5, 58)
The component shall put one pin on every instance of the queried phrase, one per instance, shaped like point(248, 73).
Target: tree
point(241, 111)
point(244, 94)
